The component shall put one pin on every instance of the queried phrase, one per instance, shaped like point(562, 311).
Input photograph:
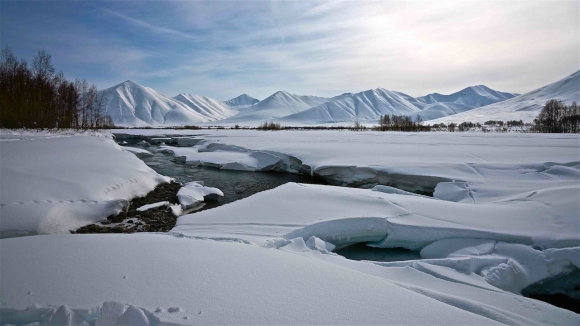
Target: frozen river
point(234, 184)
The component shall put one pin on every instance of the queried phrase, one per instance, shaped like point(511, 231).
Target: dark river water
point(234, 184)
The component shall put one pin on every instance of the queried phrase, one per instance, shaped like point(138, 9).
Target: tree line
point(394, 122)
point(557, 117)
point(38, 97)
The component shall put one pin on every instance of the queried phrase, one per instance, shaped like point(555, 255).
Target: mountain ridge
point(129, 103)
point(525, 106)
point(132, 104)
point(369, 105)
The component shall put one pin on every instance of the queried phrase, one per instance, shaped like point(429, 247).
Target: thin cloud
point(222, 49)
point(156, 29)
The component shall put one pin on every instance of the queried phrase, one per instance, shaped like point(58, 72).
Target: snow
point(181, 153)
point(474, 96)
point(503, 221)
point(277, 105)
point(379, 157)
point(368, 105)
point(154, 205)
point(56, 182)
point(371, 104)
point(343, 216)
point(241, 102)
point(193, 193)
point(524, 107)
point(257, 285)
point(135, 105)
point(130, 104)
point(140, 153)
point(213, 109)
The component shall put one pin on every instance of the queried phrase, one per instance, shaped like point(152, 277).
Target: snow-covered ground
point(504, 220)
point(446, 155)
point(57, 182)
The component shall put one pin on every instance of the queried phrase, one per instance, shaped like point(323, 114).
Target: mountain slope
point(277, 105)
point(523, 107)
point(371, 104)
point(438, 110)
point(241, 102)
point(367, 105)
point(130, 104)
point(474, 96)
point(210, 108)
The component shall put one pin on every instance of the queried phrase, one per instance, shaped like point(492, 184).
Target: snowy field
point(504, 220)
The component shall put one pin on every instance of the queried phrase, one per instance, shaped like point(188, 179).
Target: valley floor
point(465, 227)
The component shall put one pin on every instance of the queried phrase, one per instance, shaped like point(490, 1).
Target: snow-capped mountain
point(241, 102)
point(474, 96)
point(210, 108)
point(371, 104)
point(131, 104)
point(277, 105)
point(523, 107)
point(367, 105)
point(438, 105)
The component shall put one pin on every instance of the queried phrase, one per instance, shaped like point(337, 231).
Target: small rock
point(117, 229)
point(159, 310)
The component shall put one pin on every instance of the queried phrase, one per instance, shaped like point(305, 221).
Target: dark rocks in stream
point(159, 219)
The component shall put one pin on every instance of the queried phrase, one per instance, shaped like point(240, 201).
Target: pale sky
point(222, 49)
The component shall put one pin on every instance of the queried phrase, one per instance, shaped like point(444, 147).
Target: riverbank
point(159, 219)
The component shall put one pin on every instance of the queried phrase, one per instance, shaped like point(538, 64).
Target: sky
point(222, 49)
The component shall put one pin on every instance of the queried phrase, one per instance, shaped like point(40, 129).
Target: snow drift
point(191, 281)
point(53, 183)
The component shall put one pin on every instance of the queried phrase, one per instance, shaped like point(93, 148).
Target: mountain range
point(131, 104)
point(523, 107)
